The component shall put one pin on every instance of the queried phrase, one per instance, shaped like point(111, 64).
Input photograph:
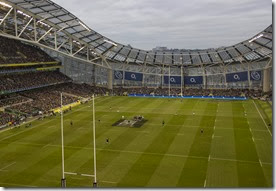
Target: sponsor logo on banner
point(256, 75)
point(118, 75)
point(172, 79)
point(237, 77)
point(133, 76)
point(193, 80)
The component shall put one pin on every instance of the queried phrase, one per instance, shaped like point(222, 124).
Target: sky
point(187, 24)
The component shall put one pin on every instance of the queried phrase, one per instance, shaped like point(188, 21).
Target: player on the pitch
point(107, 140)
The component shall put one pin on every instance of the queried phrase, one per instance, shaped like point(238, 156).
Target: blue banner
point(118, 75)
point(190, 97)
point(133, 76)
point(190, 80)
point(173, 79)
point(255, 75)
point(237, 77)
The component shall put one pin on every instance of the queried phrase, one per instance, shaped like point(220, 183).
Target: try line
point(262, 118)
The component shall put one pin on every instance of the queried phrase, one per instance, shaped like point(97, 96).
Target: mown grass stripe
point(200, 147)
point(138, 177)
point(262, 118)
point(248, 173)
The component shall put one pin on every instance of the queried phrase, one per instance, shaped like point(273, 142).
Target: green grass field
point(235, 149)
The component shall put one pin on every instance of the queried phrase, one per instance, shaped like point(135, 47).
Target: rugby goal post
point(63, 180)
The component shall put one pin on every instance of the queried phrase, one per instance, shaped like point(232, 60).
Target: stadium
point(79, 110)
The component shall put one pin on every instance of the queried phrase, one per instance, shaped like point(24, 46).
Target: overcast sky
point(187, 24)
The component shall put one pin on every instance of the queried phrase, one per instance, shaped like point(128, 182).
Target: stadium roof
point(55, 18)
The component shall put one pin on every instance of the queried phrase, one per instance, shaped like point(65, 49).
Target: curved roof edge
point(52, 15)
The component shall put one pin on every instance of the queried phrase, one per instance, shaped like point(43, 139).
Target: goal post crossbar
point(79, 174)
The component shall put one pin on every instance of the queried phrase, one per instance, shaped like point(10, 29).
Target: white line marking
point(145, 153)
point(195, 126)
point(250, 130)
point(253, 139)
point(262, 118)
point(24, 131)
point(205, 183)
point(20, 185)
point(46, 145)
point(268, 163)
point(213, 136)
point(261, 163)
point(104, 181)
point(209, 158)
point(258, 139)
point(5, 167)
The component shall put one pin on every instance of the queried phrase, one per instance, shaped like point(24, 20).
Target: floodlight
point(24, 14)
point(255, 38)
point(108, 41)
point(86, 27)
point(5, 4)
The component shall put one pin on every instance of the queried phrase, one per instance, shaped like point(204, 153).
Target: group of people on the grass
point(14, 51)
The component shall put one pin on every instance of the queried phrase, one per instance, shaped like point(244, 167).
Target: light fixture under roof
point(5, 4)
point(24, 14)
point(110, 42)
point(255, 38)
point(86, 27)
point(43, 23)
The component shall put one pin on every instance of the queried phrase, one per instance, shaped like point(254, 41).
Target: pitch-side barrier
point(190, 97)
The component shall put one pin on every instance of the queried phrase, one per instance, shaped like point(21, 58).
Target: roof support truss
point(25, 27)
point(54, 20)
point(6, 16)
point(45, 34)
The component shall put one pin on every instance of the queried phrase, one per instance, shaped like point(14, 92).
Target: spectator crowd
point(19, 81)
point(14, 51)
